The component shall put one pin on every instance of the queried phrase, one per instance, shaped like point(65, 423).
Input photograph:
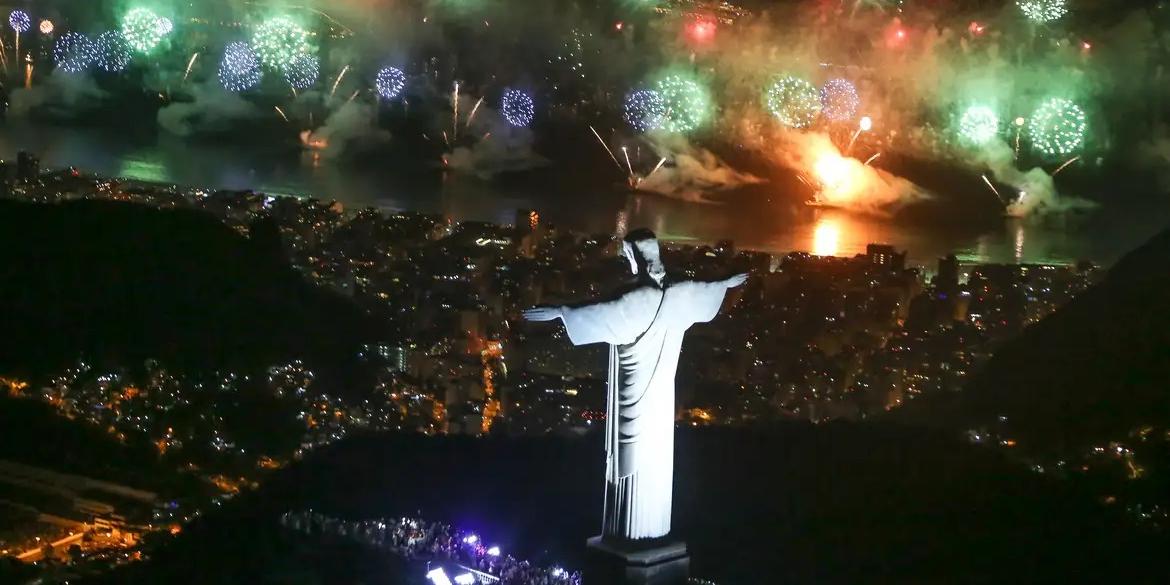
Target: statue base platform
point(654, 562)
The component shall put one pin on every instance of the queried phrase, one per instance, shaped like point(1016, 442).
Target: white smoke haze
point(842, 181)
point(691, 172)
point(62, 95)
point(212, 109)
point(913, 86)
point(1035, 191)
point(350, 128)
point(505, 148)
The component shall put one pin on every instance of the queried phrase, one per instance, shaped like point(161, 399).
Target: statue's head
point(641, 249)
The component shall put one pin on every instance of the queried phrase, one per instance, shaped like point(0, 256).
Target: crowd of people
point(417, 539)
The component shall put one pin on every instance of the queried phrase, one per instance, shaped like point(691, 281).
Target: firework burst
point(688, 105)
point(978, 125)
point(517, 108)
point(19, 21)
point(240, 68)
point(302, 72)
point(1042, 11)
point(645, 110)
point(839, 100)
point(794, 101)
point(141, 28)
point(280, 42)
point(1057, 127)
point(73, 52)
point(111, 52)
point(390, 82)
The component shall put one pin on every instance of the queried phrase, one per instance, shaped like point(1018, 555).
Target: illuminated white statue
point(644, 327)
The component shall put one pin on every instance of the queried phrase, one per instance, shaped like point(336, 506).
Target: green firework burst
point(281, 43)
point(794, 101)
point(688, 104)
point(1057, 127)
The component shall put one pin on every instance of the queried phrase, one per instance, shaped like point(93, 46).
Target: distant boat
point(822, 204)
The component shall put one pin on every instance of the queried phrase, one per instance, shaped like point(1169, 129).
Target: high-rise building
point(725, 248)
point(28, 167)
point(885, 255)
point(527, 220)
point(947, 280)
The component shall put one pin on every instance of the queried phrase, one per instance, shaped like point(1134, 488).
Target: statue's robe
point(644, 328)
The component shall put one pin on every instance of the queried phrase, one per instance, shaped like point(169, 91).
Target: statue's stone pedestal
point(658, 562)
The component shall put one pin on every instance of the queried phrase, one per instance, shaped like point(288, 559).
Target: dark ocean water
point(761, 217)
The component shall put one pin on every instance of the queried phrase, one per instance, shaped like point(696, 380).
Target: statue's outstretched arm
point(543, 313)
point(734, 281)
point(619, 320)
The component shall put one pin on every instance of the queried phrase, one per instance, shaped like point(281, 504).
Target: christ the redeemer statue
point(644, 327)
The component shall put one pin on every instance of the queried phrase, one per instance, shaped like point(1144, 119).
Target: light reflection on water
point(826, 238)
point(760, 219)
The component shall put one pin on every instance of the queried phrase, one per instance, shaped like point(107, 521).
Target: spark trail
point(190, 63)
point(474, 109)
point(992, 187)
point(337, 81)
point(606, 147)
point(1066, 163)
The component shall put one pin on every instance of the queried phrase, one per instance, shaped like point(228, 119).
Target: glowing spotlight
point(439, 577)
